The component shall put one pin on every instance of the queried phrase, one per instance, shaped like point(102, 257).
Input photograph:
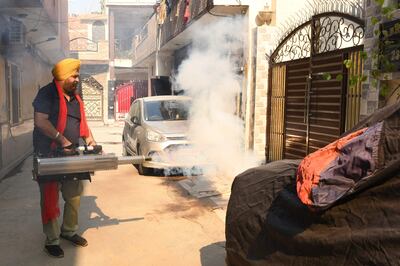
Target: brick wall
point(370, 94)
point(264, 44)
point(371, 99)
point(81, 27)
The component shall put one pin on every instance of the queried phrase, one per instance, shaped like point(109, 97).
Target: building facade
point(169, 34)
point(126, 20)
point(277, 118)
point(89, 42)
point(34, 37)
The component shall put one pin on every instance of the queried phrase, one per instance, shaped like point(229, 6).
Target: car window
point(166, 110)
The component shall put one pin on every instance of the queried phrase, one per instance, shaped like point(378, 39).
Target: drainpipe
point(158, 47)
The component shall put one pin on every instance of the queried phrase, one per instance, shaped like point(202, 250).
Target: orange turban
point(66, 68)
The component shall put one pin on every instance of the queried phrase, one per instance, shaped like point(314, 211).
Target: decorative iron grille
point(92, 92)
point(323, 33)
point(297, 46)
point(334, 33)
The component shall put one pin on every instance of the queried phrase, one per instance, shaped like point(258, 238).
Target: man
point(60, 122)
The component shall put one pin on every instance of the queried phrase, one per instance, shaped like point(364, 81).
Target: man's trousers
point(71, 191)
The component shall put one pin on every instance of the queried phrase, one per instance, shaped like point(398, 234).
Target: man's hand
point(92, 143)
point(67, 148)
point(90, 140)
point(64, 142)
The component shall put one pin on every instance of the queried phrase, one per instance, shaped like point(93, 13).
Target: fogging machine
point(79, 163)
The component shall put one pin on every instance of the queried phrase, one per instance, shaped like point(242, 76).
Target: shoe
point(54, 251)
point(76, 240)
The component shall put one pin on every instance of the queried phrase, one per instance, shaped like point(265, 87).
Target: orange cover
point(308, 173)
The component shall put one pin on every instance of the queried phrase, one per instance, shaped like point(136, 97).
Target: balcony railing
point(86, 49)
point(179, 18)
point(145, 41)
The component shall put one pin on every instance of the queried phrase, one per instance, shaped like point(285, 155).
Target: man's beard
point(73, 88)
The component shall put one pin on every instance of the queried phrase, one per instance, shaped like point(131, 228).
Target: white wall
point(261, 40)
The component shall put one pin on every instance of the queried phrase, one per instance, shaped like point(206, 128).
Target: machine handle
point(61, 152)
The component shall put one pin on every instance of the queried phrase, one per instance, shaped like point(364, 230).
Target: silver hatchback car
point(157, 127)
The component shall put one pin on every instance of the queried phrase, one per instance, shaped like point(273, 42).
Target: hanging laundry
point(186, 16)
point(169, 4)
point(178, 8)
point(162, 12)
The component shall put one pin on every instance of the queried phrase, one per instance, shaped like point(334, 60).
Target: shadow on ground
point(95, 218)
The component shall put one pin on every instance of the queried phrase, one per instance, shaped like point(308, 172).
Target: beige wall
point(264, 44)
point(131, 76)
point(34, 74)
point(16, 141)
point(81, 27)
point(261, 40)
point(57, 10)
point(101, 54)
point(52, 9)
point(144, 47)
point(250, 82)
point(3, 107)
point(63, 27)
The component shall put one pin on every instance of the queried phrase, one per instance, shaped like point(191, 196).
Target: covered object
point(347, 218)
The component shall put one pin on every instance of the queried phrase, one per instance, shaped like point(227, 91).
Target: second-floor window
point(98, 31)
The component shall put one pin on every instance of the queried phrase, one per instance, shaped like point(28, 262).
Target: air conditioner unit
point(16, 33)
point(12, 37)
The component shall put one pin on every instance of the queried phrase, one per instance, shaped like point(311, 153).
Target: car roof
point(165, 98)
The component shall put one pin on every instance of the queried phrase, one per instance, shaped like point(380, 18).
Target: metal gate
point(92, 93)
point(277, 104)
point(310, 101)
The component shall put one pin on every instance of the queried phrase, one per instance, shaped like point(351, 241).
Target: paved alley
point(127, 219)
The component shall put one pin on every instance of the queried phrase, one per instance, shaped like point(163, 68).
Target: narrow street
point(127, 219)
point(274, 126)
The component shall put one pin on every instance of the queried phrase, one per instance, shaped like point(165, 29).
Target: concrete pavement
point(216, 191)
point(128, 219)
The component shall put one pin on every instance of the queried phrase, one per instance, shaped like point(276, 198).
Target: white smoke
point(209, 77)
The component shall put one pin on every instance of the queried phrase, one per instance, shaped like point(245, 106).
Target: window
point(166, 110)
point(14, 87)
point(98, 31)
